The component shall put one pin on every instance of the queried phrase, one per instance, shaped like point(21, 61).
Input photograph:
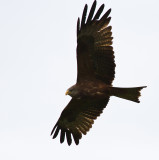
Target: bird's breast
point(94, 89)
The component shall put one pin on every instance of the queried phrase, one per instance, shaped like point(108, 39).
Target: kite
point(95, 74)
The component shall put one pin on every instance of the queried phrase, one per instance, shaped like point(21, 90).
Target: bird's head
point(73, 92)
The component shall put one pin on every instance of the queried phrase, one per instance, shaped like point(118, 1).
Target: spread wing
point(95, 56)
point(77, 118)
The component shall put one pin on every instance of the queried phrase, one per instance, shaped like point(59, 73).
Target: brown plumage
point(96, 70)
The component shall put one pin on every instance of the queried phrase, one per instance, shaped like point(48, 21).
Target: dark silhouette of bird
point(95, 74)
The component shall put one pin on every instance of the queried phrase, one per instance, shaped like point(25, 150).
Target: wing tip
point(84, 15)
point(65, 134)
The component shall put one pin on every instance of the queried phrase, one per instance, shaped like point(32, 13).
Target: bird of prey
point(95, 74)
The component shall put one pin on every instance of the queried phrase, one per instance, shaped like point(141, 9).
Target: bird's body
point(92, 89)
point(95, 74)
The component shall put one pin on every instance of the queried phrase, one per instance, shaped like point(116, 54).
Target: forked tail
point(131, 94)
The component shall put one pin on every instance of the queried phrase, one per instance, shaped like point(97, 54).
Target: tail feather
point(131, 94)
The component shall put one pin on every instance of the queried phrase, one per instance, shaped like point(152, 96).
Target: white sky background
point(38, 64)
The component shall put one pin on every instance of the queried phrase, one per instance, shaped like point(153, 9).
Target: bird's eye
point(71, 89)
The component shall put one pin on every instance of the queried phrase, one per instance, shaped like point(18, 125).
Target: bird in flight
point(95, 74)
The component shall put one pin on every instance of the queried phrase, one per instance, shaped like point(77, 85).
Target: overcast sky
point(38, 64)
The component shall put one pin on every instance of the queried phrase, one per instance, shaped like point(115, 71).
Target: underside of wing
point(95, 56)
point(77, 118)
